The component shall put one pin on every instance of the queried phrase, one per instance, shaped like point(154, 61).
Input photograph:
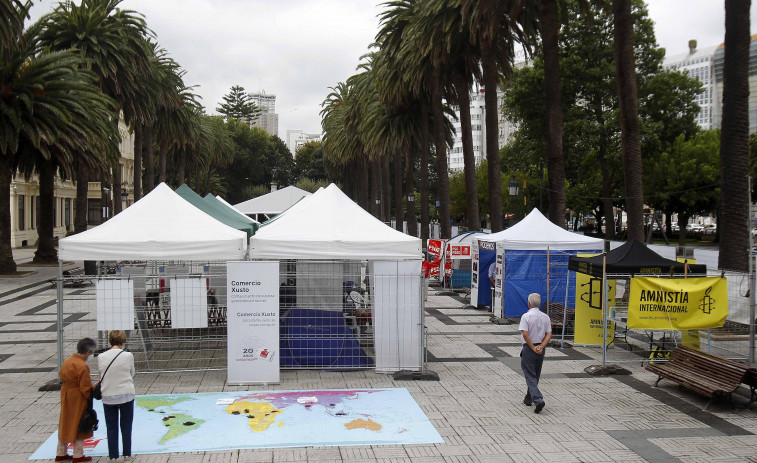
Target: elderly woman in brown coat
point(74, 397)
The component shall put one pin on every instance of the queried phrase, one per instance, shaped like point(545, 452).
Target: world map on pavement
point(266, 419)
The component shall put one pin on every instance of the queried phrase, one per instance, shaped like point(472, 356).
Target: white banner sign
point(253, 322)
point(189, 303)
point(115, 304)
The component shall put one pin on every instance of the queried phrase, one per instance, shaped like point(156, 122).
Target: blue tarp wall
point(319, 338)
point(526, 272)
point(460, 278)
point(485, 259)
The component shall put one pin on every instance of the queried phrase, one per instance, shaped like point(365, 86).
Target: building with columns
point(25, 199)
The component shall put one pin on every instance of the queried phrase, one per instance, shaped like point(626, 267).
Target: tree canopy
point(238, 105)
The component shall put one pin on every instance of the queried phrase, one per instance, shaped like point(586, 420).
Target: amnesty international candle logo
point(677, 303)
point(707, 304)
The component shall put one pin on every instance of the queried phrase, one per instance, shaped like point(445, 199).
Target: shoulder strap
point(111, 363)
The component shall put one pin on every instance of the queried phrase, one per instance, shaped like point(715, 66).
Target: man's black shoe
point(539, 407)
point(526, 402)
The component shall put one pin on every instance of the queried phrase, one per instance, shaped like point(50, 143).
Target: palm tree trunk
point(606, 190)
point(181, 169)
point(398, 191)
point(149, 160)
point(163, 154)
point(386, 189)
point(425, 154)
point(365, 187)
point(138, 162)
point(375, 189)
point(440, 143)
point(491, 79)
point(733, 221)
point(683, 220)
point(412, 221)
point(46, 252)
point(629, 117)
point(117, 203)
point(548, 27)
point(82, 191)
point(7, 264)
point(473, 219)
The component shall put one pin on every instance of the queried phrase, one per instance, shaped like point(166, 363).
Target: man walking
point(536, 331)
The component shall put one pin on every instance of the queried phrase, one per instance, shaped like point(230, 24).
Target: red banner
point(459, 251)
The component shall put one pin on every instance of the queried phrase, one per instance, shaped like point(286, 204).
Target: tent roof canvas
point(329, 225)
point(210, 199)
point(235, 209)
point(274, 202)
point(216, 210)
point(466, 238)
point(632, 258)
point(160, 226)
point(536, 232)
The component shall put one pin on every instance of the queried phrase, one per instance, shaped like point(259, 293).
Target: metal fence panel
point(327, 314)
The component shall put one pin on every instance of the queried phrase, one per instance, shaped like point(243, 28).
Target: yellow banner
point(677, 304)
point(588, 322)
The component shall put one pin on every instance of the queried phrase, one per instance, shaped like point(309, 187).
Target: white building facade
point(706, 64)
point(297, 138)
point(267, 119)
point(698, 63)
point(506, 129)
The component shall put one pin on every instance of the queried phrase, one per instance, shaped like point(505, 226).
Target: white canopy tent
point(535, 233)
point(160, 226)
point(272, 203)
point(329, 226)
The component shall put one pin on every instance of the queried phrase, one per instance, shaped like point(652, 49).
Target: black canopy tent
point(632, 258)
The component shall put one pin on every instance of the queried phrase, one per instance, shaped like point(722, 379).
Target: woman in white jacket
point(118, 392)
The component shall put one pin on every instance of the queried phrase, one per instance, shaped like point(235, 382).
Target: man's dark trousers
point(530, 363)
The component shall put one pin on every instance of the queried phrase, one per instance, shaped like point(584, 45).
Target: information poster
point(474, 273)
point(115, 304)
point(589, 326)
point(253, 322)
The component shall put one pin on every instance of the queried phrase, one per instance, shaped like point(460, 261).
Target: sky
point(297, 49)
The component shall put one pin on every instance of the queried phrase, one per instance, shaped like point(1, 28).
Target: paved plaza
point(476, 405)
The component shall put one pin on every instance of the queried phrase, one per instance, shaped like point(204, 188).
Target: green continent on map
point(261, 415)
point(153, 402)
point(178, 425)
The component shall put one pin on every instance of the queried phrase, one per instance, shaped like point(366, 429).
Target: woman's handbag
point(88, 422)
point(97, 392)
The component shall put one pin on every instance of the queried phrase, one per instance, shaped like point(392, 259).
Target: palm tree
point(492, 29)
point(53, 112)
point(548, 25)
point(12, 14)
point(629, 117)
point(446, 39)
point(164, 82)
point(112, 41)
point(425, 81)
point(734, 140)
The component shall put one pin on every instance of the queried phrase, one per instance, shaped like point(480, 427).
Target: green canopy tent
point(222, 214)
point(215, 201)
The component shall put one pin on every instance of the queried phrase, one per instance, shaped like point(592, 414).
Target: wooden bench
point(555, 313)
point(708, 375)
point(72, 278)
